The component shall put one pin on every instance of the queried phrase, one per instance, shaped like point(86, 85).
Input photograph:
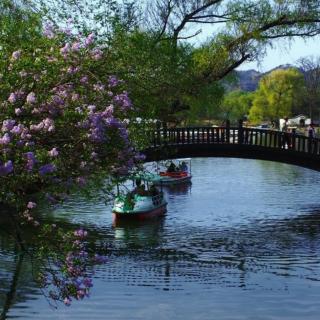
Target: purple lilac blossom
point(17, 111)
point(113, 81)
point(76, 46)
point(5, 139)
point(53, 152)
point(12, 98)
point(67, 301)
point(123, 101)
point(31, 160)
point(87, 282)
point(89, 40)
point(6, 168)
point(31, 98)
point(31, 205)
point(84, 80)
point(81, 181)
point(49, 31)
point(80, 233)
point(7, 125)
point(17, 130)
point(140, 157)
point(65, 50)
point(99, 87)
point(47, 168)
point(57, 100)
point(16, 55)
point(108, 112)
point(97, 54)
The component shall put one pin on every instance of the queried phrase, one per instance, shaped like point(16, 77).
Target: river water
point(241, 242)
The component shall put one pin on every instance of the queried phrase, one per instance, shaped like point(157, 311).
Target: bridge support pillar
point(227, 131)
point(240, 132)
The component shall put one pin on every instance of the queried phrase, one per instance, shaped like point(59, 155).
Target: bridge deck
point(238, 142)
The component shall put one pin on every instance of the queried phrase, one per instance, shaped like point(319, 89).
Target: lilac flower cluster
point(31, 160)
point(123, 101)
point(6, 168)
point(75, 280)
point(45, 125)
point(46, 169)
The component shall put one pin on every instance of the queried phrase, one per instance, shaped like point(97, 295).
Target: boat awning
point(147, 176)
point(184, 159)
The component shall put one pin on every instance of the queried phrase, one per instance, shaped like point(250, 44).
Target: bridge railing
point(236, 135)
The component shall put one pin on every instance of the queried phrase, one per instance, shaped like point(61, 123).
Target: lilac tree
point(63, 123)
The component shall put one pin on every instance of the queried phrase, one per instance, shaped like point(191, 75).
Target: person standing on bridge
point(311, 131)
point(285, 134)
point(311, 134)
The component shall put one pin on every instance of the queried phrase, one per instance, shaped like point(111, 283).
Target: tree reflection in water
point(62, 260)
point(10, 295)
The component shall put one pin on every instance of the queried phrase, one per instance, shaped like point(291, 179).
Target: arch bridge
point(236, 142)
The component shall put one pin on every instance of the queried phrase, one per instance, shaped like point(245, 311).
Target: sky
point(282, 53)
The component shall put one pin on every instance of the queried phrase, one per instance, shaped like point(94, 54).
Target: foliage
point(206, 104)
point(87, 16)
point(19, 29)
point(163, 72)
point(154, 80)
point(276, 95)
point(236, 105)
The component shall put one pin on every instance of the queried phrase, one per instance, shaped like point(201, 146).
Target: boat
point(176, 171)
point(140, 203)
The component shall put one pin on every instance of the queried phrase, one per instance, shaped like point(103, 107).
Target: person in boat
point(140, 188)
point(183, 167)
point(129, 201)
point(172, 167)
point(143, 191)
point(153, 191)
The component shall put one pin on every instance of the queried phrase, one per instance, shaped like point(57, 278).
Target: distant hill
point(248, 80)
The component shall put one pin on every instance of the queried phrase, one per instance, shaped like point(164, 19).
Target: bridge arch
point(235, 142)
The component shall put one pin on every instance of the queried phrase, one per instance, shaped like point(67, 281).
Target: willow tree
point(276, 95)
point(243, 29)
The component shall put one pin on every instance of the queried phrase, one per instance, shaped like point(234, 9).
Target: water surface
point(242, 242)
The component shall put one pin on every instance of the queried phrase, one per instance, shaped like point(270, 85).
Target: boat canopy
point(184, 159)
point(147, 176)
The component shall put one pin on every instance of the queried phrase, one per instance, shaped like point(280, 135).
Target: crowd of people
point(310, 131)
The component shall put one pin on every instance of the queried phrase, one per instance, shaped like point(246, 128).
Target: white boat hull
point(166, 180)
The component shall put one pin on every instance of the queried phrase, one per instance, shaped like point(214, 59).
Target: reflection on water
point(179, 189)
point(242, 241)
point(138, 233)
